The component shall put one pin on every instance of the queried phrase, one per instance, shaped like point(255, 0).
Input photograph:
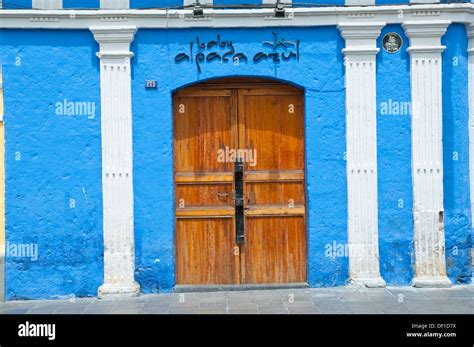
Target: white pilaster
point(424, 1)
point(273, 2)
point(47, 4)
point(359, 2)
point(361, 142)
point(470, 52)
point(117, 161)
point(427, 151)
point(114, 4)
point(202, 2)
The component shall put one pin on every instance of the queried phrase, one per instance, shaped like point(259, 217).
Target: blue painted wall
point(456, 155)
point(53, 163)
point(16, 4)
point(391, 2)
point(155, 3)
point(319, 71)
point(81, 4)
point(394, 162)
point(315, 3)
point(237, 2)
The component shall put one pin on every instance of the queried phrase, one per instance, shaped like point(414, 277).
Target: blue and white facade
point(89, 149)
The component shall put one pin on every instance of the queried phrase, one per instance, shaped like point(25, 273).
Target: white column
point(273, 2)
point(427, 151)
point(114, 4)
point(192, 2)
point(359, 2)
point(361, 142)
point(47, 4)
point(470, 52)
point(117, 161)
point(424, 1)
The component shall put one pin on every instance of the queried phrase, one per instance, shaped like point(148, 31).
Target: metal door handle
point(238, 196)
point(222, 195)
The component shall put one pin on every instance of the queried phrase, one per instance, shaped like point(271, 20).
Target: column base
point(118, 291)
point(368, 282)
point(431, 282)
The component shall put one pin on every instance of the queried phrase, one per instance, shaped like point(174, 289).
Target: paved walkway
point(459, 299)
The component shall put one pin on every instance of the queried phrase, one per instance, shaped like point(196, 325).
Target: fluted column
point(427, 151)
point(361, 143)
point(47, 4)
point(470, 52)
point(117, 161)
point(114, 4)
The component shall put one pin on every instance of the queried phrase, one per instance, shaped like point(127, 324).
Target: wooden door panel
point(270, 193)
point(202, 126)
point(269, 119)
point(275, 250)
point(204, 237)
point(194, 195)
point(205, 252)
point(272, 124)
point(269, 126)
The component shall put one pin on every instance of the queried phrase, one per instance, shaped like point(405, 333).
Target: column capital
point(470, 36)
point(114, 41)
point(361, 38)
point(425, 36)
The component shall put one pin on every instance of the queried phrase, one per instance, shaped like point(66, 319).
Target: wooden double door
point(239, 183)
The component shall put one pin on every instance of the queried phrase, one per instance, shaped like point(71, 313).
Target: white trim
point(238, 18)
point(361, 139)
point(427, 151)
point(114, 4)
point(47, 4)
point(117, 160)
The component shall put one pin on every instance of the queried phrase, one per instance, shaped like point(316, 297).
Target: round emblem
point(392, 42)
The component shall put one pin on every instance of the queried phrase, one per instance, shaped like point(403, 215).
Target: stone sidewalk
point(345, 300)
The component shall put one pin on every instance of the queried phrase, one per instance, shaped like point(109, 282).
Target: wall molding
point(117, 160)
point(303, 17)
point(361, 148)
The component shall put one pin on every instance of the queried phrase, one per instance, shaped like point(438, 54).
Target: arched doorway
point(239, 183)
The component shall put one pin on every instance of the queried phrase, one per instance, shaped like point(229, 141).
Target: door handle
point(238, 196)
point(222, 195)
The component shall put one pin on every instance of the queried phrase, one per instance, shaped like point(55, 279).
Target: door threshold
point(182, 288)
